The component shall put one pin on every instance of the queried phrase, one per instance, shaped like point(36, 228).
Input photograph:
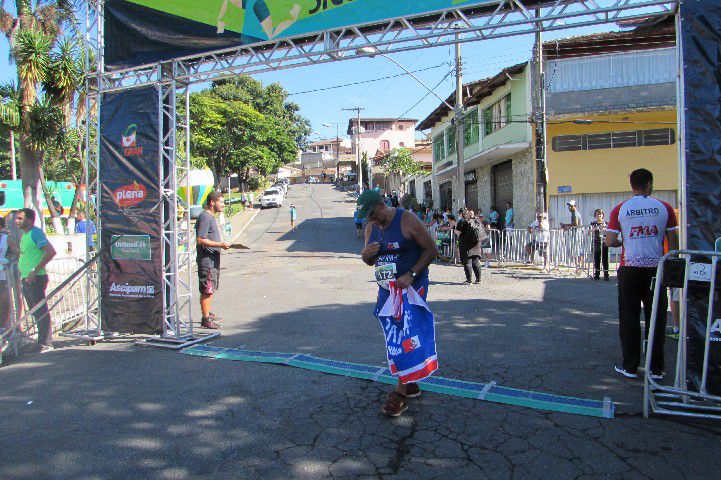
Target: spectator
point(541, 232)
point(395, 201)
point(673, 302)
point(429, 216)
point(250, 199)
point(493, 217)
point(243, 198)
point(576, 239)
point(600, 249)
point(293, 216)
point(85, 226)
point(358, 221)
point(436, 223)
point(5, 304)
point(486, 244)
point(509, 216)
point(57, 206)
point(642, 221)
point(446, 213)
point(470, 235)
point(35, 253)
point(575, 216)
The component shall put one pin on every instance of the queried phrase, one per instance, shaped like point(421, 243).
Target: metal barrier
point(71, 303)
point(567, 249)
point(679, 399)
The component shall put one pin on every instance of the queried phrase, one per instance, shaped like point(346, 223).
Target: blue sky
point(384, 98)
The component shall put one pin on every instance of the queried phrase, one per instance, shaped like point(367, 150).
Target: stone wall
point(524, 188)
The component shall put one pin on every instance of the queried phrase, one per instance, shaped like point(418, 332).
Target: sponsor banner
point(146, 31)
point(700, 27)
point(131, 263)
point(130, 247)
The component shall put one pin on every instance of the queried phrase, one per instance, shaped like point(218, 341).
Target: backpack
point(476, 233)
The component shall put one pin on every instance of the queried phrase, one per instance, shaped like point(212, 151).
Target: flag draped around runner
point(409, 328)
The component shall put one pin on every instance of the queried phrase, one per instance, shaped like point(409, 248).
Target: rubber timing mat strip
point(459, 388)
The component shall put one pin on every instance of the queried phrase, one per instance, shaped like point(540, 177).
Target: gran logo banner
point(145, 31)
point(131, 263)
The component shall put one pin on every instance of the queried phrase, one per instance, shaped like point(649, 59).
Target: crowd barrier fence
point(566, 251)
point(71, 300)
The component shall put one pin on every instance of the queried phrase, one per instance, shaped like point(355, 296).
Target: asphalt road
point(121, 411)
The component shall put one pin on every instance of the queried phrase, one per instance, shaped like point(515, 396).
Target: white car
point(272, 197)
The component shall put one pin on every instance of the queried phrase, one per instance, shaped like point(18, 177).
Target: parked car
point(273, 197)
point(282, 187)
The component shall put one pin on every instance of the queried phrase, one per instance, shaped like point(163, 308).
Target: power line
point(366, 81)
point(426, 95)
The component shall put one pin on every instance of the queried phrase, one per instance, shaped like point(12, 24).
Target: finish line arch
point(165, 77)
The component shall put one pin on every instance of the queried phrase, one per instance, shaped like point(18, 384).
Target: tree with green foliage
point(33, 29)
point(239, 126)
point(399, 161)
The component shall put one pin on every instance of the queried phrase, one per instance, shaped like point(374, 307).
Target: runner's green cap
point(367, 200)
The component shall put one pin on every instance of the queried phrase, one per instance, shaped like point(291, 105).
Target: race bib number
point(385, 273)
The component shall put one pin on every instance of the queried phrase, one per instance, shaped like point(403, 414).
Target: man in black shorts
point(209, 244)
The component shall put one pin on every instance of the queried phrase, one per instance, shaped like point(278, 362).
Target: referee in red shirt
point(643, 222)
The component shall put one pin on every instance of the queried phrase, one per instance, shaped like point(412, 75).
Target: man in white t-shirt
point(541, 234)
point(643, 222)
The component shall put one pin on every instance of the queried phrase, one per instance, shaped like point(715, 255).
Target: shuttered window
point(471, 128)
point(452, 145)
point(497, 115)
point(597, 141)
point(439, 148)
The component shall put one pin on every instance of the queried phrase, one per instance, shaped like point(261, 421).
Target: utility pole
point(458, 119)
point(539, 118)
point(357, 146)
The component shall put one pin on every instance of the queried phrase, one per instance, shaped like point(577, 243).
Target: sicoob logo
point(129, 195)
point(129, 142)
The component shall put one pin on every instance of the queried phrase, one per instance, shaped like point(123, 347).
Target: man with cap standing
point(576, 240)
point(401, 249)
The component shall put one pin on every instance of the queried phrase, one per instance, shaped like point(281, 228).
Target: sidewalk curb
point(246, 225)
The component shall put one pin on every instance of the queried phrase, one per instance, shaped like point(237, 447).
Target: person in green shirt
point(35, 253)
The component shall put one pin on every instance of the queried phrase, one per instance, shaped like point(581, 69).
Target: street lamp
point(337, 146)
point(457, 121)
point(373, 51)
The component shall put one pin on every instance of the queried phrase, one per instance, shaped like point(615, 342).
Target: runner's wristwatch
point(412, 273)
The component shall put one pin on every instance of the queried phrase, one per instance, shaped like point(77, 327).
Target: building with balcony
point(611, 108)
point(378, 136)
point(498, 163)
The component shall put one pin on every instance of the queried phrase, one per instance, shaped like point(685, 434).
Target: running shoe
point(625, 372)
point(209, 323)
point(413, 390)
point(395, 405)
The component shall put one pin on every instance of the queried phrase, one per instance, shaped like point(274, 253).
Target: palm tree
point(32, 32)
point(10, 118)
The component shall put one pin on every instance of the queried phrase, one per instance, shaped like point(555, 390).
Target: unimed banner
point(131, 263)
point(146, 31)
point(701, 39)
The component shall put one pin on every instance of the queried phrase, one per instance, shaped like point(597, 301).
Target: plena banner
point(145, 31)
point(131, 263)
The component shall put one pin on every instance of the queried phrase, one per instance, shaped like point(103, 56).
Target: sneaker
point(605, 278)
point(625, 372)
point(46, 348)
point(413, 390)
point(395, 404)
point(215, 318)
point(467, 282)
point(209, 323)
point(478, 280)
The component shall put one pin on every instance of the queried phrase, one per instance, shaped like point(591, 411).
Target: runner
point(643, 221)
point(359, 221)
point(401, 249)
point(209, 242)
point(293, 216)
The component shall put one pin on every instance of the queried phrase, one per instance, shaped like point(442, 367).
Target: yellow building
point(607, 115)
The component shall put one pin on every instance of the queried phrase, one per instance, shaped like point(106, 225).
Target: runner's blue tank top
point(395, 248)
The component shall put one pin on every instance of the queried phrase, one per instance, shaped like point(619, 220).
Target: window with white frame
point(497, 116)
